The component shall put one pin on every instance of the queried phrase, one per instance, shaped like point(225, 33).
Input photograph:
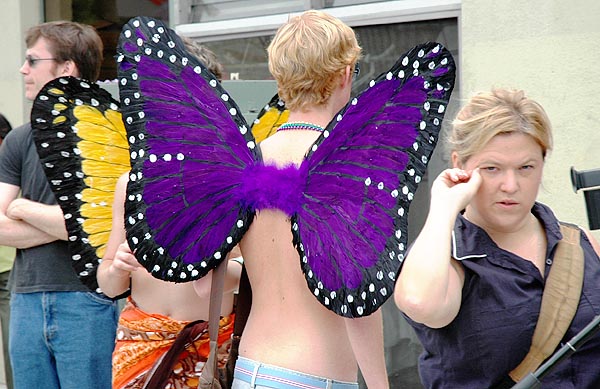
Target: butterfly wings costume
point(197, 175)
point(198, 178)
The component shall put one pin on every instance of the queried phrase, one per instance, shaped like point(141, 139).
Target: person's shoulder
point(23, 128)
point(16, 144)
point(552, 223)
point(545, 212)
point(18, 133)
point(270, 141)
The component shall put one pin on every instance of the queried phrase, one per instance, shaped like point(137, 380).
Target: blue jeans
point(4, 320)
point(250, 374)
point(62, 340)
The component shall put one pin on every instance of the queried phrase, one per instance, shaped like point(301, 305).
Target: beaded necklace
point(300, 126)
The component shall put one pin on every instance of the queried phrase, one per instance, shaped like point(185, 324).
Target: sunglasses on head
point(33, 61)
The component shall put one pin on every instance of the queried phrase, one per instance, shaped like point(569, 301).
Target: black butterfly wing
point(82, 145)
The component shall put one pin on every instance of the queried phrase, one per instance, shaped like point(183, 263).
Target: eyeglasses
point(33, 61)
point(356, 71)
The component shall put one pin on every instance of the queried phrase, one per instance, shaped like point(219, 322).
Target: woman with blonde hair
point(474, 295)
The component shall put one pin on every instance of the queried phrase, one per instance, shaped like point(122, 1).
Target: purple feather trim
point(267, 187)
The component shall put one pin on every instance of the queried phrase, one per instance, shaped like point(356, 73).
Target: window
point(246, 58)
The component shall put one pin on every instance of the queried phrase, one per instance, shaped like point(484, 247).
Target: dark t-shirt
point(46, 267)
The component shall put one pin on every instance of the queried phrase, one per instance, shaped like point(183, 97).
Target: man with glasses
point(61, 334)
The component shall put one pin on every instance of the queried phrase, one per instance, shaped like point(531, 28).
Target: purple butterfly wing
point(351, 231)
point(189, 147)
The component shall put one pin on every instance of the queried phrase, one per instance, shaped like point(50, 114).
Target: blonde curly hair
point(499, 111)
point(306, 56)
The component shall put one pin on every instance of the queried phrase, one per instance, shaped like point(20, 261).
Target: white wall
point(15, 17)
point(550, 49)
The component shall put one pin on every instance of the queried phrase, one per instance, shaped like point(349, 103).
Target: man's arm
point(48, 218)
point(16, 231)
point(366, 338)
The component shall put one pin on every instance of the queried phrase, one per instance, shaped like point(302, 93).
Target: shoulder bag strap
point(159, 374)
point(559, 301)
point(242, 311)
point(209, 372)
point(243, 303)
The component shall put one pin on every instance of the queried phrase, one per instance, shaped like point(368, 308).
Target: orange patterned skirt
point(143, 338)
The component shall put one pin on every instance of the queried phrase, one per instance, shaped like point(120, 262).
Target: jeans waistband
point(256, 373)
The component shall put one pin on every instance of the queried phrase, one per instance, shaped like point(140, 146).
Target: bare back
point(120, 271)
point(287, 326)
point(178, 301)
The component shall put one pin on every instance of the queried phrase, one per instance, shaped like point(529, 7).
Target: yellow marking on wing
point(95, 210)
point(96, 127)
point(95, 226)
point(100, 182)
point(268, 123)
point(105, 157)
point(56, 91)
point(59, 120)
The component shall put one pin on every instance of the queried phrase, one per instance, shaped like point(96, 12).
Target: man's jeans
point(62, 340)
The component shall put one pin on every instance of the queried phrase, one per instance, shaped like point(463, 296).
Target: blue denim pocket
point(99, 298)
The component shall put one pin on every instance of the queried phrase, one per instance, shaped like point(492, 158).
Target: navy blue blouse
point(500, 306)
